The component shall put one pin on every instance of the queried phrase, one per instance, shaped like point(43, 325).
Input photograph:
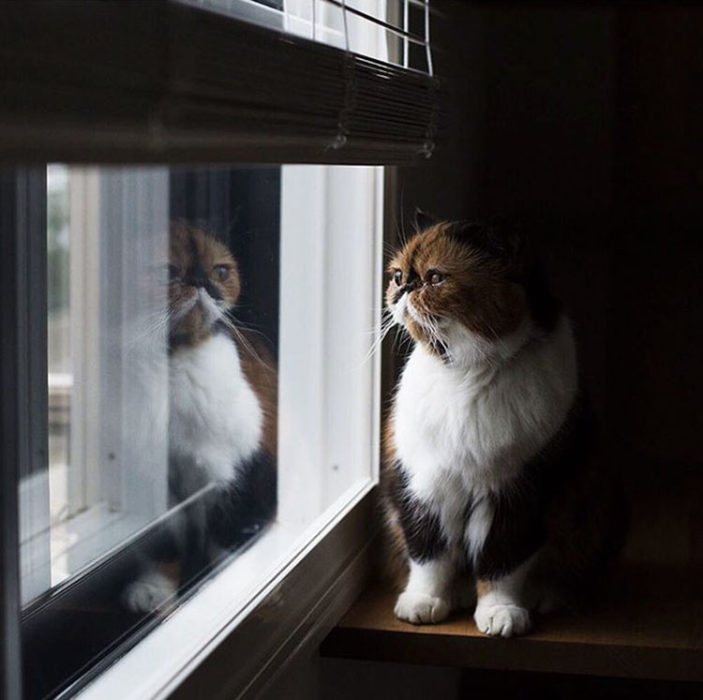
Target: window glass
point(371, 27)
point(209, 388)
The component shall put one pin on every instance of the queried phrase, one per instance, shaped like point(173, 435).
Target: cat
point(490, 471)
point(222, 388)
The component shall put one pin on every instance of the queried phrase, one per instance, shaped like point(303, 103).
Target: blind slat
point(164, 82)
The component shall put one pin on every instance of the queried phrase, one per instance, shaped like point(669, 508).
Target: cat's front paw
point(149, 592)
point(502, 620)
point(420, 608)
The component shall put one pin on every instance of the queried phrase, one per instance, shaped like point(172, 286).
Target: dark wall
point(655, 367)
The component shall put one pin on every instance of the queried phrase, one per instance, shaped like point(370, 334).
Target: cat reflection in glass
point(222, 388)
point(494, 496)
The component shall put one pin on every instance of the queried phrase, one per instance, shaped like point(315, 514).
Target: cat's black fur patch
point(498, 239)
point(518, 527)
point(177, 340)
point(424, 220)
point(226, 516)
point(197, 276)
point(401, 290)
point(413, 278)
point(516, 532)
point(244, 506)
point(505, 241)
point(421, 527)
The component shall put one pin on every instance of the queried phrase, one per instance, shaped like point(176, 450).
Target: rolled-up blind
point(173, 81)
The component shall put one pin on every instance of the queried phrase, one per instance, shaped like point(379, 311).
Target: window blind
point(173, 82)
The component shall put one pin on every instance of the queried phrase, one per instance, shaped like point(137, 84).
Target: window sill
point(283, 592)
point(651, 628)
point(76, 544)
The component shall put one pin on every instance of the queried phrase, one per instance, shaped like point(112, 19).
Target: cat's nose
point(198, 280)
point(408, 287)
point(197, 277)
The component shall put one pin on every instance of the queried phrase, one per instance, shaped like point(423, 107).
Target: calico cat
point(221, 419)
point(489, 469)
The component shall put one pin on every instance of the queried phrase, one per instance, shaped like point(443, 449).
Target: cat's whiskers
point(431, 327)
point(436, 338)
point(157, 323)
point(243, 324)
point(380, 334)
point(402, 336)
point(403, 342)
point(246, 345)
point(389, 250)
point(434, 331)
point(151, 325)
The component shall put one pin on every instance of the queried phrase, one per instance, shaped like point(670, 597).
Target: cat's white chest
point(456, 429)
point(215, 418)
point(439, 423)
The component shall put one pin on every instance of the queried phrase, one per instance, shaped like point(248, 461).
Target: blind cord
point(345, 113)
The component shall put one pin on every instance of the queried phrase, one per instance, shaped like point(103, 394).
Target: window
point(113, 396)
point(117, 528)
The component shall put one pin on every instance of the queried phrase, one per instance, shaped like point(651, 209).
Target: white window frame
point(286, 592)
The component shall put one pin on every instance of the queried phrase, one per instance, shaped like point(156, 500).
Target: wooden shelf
point(652, 628)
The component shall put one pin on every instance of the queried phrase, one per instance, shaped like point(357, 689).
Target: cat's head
point(468, 291)
point(203, 283)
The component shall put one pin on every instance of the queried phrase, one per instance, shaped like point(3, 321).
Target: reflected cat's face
point(203, 283)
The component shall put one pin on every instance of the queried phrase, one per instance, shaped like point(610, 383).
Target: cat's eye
point(433, 277)
point(221, 273)
point(174, 272)
point(398, 277)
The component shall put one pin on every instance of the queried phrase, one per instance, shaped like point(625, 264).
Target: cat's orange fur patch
point(475, 290)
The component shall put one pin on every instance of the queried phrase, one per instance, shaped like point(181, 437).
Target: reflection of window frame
point(107, 497)
point(84, 489)
point(35, 528)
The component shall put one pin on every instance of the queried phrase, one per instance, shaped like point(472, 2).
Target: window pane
point(60, 366)
point(365, 31)
point(210, 387)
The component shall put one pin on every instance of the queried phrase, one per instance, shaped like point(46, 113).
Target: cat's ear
point(499, 239)
point(423, 220)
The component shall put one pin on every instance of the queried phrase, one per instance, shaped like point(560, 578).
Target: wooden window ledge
point(651, 628)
